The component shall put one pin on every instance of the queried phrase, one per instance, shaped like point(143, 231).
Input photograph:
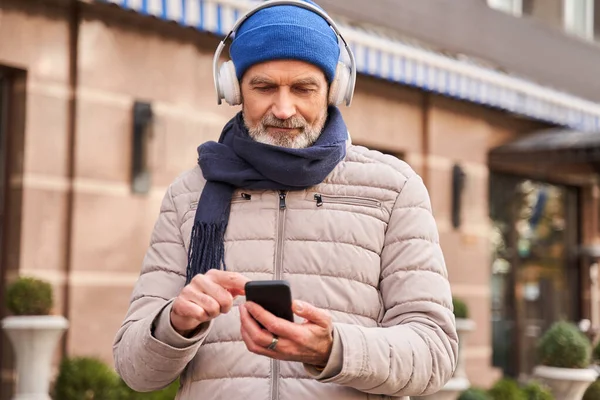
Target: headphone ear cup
point(230, 87)
point(339, 87)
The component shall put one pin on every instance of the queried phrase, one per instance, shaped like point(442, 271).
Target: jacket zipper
point(353, 201)
point(237, 199)
point(241, 197)
point(280, 227)
point(277, 273)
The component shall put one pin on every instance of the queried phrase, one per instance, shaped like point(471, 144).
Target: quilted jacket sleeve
point(414, 352)
point(148, 353)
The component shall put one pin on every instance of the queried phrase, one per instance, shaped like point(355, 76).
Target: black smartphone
point(273, 296)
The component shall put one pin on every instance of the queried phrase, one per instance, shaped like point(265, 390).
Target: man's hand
point(205, 298)
point(309, 342)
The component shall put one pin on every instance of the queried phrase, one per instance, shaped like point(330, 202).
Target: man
point(285, 195)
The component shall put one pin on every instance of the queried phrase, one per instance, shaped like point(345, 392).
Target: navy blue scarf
point(237, 161)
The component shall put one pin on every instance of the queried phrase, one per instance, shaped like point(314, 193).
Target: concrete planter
point(459, 382)
point(566, 383)
point(34, 340)
point(463, 328)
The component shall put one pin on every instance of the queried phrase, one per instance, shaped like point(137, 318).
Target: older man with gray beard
point(285, 195)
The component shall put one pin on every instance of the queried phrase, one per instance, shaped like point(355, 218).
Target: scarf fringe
point(207, 249)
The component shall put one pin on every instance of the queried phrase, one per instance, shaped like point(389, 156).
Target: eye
point(304, 90)
point(264, 89)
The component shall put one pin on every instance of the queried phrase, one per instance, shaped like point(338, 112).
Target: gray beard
point(306, 138)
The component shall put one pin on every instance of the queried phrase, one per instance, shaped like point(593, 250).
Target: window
point(513, 7)
point(548, 11)
point(579, 17)
point(597, 20)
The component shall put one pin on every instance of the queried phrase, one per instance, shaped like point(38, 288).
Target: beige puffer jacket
point(363, 245)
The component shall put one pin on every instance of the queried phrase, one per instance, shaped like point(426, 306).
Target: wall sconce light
point(142, 133)
point(458, 185)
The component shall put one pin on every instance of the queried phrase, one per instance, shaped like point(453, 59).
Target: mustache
point(295, 122)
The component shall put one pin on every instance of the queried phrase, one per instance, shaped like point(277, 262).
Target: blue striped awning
point(393, 60)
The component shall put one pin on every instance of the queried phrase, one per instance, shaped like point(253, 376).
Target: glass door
point(534, 267)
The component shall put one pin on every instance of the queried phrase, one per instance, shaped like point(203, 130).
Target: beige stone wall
point(129, 58)
point(456, 137)
point(388, 118)
point(34, 44)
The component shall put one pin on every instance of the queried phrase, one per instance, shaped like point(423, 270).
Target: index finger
point(234, 282)
point(277, 326)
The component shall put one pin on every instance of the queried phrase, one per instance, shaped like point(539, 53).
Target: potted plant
point(537, 391)
point(86, 378)
point(507, 389)
point(459, 382)
point(34, 334)
point(564, 355)
point(474, 394)
point(89, 378)
point(593, 391)
point(596, 356)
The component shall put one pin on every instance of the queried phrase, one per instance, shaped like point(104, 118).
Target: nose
point(283, 105)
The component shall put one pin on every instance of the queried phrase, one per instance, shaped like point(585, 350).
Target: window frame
point(570, 18)
point(512, 7)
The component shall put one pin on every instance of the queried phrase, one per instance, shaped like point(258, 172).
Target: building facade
point(104, 104)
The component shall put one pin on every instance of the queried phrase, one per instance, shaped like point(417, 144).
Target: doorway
point(535, 269)
point(12, 136)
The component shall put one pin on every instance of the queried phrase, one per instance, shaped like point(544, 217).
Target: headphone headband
point(274, 3)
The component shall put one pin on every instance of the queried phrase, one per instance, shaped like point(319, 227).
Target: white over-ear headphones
point(227, 85)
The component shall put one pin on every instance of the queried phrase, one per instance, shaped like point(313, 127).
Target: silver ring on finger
point(273, 343)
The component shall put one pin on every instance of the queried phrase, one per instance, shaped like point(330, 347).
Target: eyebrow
point(259, 80)
point(310, 81)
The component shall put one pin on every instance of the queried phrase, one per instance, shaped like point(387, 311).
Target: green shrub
point(592, 392)
point(461, 310)
point(167, 393)
point(596, 353)
point(29, 296)
point(564, 346)
point(536, 391)
point(85, 378)
point(474, 394)
point(507, 389)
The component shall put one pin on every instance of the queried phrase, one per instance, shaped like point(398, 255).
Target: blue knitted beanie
point(285, 32)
